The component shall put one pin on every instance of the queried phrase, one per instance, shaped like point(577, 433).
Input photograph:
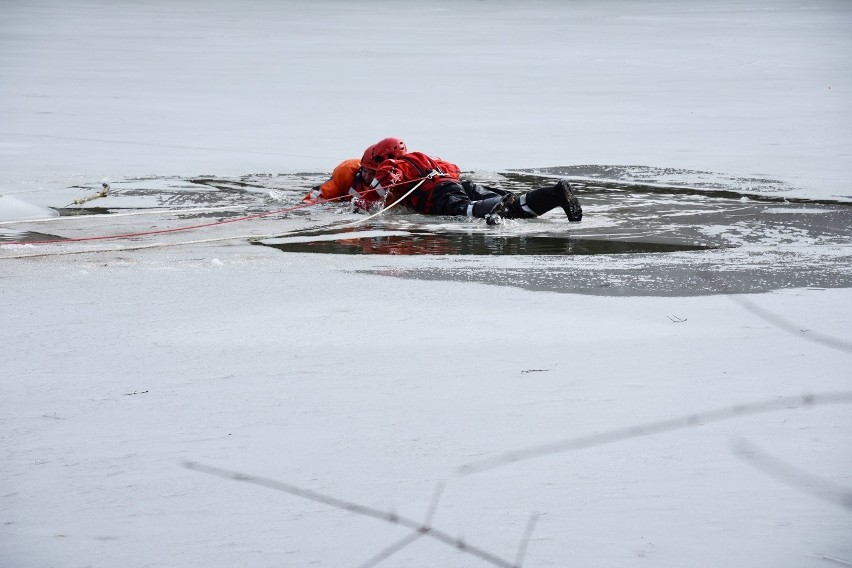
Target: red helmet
point(387, 149)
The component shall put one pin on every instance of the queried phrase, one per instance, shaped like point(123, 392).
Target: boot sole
point(571, 205)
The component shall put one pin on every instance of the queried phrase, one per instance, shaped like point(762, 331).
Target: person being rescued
point(387, 173)
point(346, 183)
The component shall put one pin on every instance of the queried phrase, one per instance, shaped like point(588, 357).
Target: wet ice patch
point(15, 209)
point(797, 211)
point(670, 177)
point(634, 239)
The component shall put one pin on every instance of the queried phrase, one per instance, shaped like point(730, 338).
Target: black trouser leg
point(483, 207)
point(513, 210)
point(465, 199)
point(477, 191)
point(450, 199)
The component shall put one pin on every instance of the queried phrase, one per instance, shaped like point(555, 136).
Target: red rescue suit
point(394, 178)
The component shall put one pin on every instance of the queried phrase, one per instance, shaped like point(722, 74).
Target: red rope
point(156, 232)
point(190, 227)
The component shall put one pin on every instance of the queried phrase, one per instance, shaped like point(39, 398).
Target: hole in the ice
point(417, 243)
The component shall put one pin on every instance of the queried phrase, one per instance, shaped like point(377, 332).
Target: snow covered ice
point(376, 379)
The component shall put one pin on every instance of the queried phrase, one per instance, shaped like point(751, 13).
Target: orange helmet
point(386, 149)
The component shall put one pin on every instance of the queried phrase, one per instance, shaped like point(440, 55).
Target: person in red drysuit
point(431, 186)
point(387, 172)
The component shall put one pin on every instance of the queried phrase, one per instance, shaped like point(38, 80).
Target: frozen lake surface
point(664, 384)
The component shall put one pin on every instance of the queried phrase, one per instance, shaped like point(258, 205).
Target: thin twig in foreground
point(641, 430)
point(525, 541)
point(392, 518)
point(410, 538)
point(801, 480)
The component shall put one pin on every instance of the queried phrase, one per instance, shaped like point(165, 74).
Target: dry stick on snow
point(392, 518)
point(641, 430)
point(801, 480)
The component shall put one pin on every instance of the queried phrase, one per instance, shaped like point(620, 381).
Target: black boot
point(540, 201)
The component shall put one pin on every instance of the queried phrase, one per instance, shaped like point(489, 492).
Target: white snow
point(118, 367)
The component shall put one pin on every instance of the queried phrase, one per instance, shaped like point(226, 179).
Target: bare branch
point(839, 561)
point(392, 518)
point(392, 549)
point(641, 430)
point(433, 506)
point(408, 539)
point(792, 476)
point(781, 323)
point(525, 540)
